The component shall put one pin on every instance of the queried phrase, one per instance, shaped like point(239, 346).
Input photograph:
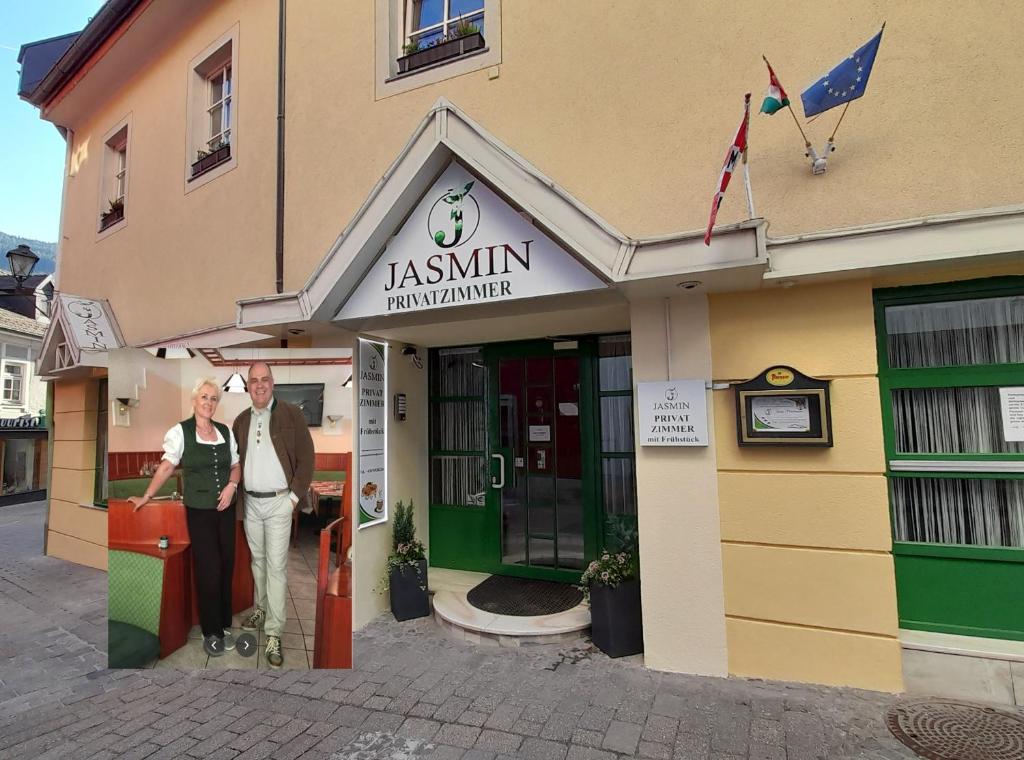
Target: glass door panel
point(539, 437)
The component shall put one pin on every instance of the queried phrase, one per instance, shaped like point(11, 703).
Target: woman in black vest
point(208, 455)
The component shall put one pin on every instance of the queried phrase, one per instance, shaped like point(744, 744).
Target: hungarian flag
point(776, 98)
point(737, 149)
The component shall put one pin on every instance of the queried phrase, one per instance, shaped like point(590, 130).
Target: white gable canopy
point(80, 334)
point(388, 263)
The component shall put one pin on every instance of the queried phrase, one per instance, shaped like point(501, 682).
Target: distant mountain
point(47, 252)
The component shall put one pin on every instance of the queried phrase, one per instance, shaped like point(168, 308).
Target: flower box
point(211, 159)
point(441, 52)
point(408, 587)
point(617, 627)
point(111, 217)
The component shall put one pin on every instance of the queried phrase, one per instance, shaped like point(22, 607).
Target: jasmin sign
point(673, 413)
point(464, 245)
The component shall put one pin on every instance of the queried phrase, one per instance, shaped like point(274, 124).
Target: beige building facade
point(274, 162)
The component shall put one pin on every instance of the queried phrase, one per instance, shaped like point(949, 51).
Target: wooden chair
point(332, 643)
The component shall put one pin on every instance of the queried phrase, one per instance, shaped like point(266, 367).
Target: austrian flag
point(737, 149)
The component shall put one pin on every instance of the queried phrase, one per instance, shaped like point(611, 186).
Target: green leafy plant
point(115, 208)
point(618, 563)
point(413, 46)
point(406, 549)
point(466, 28)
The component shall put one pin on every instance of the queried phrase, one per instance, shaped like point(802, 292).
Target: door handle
point(499, 483)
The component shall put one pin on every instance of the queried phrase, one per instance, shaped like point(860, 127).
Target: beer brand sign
point(464, 245)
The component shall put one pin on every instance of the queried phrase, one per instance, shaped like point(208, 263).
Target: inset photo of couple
point(230, 511)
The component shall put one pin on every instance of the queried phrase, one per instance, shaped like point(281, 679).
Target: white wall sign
point(464, 245)
point(1011, 400)
point(672, 413)
point(89, 323)
point(372, 436)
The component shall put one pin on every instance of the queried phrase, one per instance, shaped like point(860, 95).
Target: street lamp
point(22, 261)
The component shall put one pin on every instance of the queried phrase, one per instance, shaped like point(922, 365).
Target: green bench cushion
point(129, 646)
point(135, 585)
point(122, 489)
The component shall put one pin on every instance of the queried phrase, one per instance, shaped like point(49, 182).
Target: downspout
point(279, 233)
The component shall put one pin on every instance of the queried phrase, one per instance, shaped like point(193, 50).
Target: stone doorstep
point(460, 620)
point(966, 646)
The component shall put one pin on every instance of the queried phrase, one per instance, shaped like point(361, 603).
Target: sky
point(32, 167)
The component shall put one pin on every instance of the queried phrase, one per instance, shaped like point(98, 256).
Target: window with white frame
point(432, 22)
point(114, 190)
point(212, 110)
point(14, 382)
point(422, 42)
point(219, 110)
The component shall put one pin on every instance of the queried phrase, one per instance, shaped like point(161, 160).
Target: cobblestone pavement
point(413, 694)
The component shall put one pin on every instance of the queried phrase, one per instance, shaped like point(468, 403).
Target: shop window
point(420, 42)
point(956, 467)
point(212, 103)
point(15, 376)
point(617, 452)
point(101, 471)
point(114, 182)
point(24, 465)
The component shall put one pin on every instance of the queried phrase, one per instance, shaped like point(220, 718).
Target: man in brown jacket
point(276, 451)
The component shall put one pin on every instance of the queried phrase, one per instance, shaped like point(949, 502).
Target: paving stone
point(589, 753)
point(473, 718)
point(622, 737)
point(654, 750)
point(457, 735)
point(498, 741)
point(541, 749)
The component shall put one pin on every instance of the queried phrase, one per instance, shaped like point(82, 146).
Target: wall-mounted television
point(309, 397)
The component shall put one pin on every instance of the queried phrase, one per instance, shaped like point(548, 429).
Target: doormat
point(944, 729)
point(503, 595)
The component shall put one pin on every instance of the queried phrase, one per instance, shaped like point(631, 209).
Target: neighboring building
point(209, 191)
point(23, 415)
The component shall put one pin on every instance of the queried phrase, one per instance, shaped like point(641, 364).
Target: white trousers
point(268, 529)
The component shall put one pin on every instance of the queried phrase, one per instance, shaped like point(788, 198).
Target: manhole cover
point(942, 729)
point(504, 595)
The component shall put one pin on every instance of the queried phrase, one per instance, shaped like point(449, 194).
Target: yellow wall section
point(791, 653)
point(805, 509)
point(74, 532)
point(821, 330)
point(809, 585)
point(850, 591)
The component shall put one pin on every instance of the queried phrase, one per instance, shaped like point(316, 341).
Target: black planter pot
point(409, 597)
point(440, 52)
point(617, 627)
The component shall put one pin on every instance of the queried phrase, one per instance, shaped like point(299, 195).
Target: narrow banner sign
point(373, 419)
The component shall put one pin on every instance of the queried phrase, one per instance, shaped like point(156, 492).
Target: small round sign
point(779, 376)
point(245, 645)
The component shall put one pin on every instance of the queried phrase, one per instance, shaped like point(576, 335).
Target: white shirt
point(174, 444)
point(263, 470)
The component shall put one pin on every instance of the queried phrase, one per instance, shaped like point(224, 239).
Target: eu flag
point(845, 82)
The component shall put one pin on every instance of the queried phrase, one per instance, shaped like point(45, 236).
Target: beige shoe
point(274, 657)
point(255, 621)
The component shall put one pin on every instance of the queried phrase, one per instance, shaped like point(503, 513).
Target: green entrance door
point(542, 460)
point(513, 465)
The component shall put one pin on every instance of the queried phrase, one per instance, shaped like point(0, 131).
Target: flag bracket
point(819, 161)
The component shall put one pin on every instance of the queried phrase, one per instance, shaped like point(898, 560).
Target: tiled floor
point(297, 637)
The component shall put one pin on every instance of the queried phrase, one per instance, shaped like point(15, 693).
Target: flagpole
point(807, 143)
point(841, 116)
point(746, 164)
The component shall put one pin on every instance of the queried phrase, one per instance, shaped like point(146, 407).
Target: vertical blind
point(458, 429)
point(950, 421)
point(956, 333)
point(980, 512)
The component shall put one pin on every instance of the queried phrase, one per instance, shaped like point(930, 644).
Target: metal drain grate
point(944, 729)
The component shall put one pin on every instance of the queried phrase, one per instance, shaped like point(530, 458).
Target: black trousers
point(212, 534)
